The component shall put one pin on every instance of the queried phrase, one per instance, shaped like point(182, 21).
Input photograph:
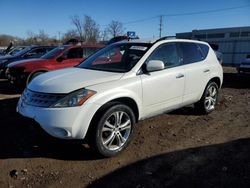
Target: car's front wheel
point(113, 130)
point(209, 99)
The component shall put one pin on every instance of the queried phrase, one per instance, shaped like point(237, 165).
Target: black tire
point(202, 106)
point(101, 133)
point(31, 77)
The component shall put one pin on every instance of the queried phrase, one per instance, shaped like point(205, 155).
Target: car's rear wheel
point(209, 99)
point(114, 130)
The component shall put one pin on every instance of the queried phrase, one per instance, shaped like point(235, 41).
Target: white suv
point(102, 98)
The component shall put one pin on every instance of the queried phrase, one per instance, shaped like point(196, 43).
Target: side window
point(48, 49)
point(74, 53)
point(38, 52)
point(167, 53)
point(204, 49)
point(191, 52)
point(89, 51)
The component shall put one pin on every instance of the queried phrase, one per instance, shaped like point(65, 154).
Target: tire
point(112, 130)
point(208, 100)
point(31, 77)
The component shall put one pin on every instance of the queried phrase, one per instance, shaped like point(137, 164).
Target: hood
point(70, 79)
point(5, 57)
point(25, 62)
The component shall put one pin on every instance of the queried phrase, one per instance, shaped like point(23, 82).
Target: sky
point(17, 17)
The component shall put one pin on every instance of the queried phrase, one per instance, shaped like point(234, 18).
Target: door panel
point(196, 69)
point(163, 90)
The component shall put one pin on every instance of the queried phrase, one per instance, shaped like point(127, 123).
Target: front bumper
point(64, 123)
point(244, 68)
point(17, 77)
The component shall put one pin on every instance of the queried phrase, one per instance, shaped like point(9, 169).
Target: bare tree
point(87, 29)
point(104, 35)
point(79, 25)
point(115, 28)
point(70, 34)
point(91, 29)
point(42, 36)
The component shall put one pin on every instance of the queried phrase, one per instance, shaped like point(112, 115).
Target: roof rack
point(165, 38)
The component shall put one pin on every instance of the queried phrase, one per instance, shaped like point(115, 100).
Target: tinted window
point(74, 53)
point(89, 51)
point(191, 52)
point(117, 57)
point(35, 53)
point(53, 53)
point(204, 49)
point(167, 53)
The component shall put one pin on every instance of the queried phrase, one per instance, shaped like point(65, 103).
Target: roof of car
point(163, 39)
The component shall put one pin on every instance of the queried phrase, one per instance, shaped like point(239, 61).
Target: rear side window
point(204, 49)
point(191, 52)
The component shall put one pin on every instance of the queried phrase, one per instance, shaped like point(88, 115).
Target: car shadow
point(23, 138)
point(237, 81)
point(221, 165)
point(9, 89)
point(187, 110)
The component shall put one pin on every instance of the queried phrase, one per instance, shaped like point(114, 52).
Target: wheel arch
point(123, 100)
point(216, 80)
point(35, 71)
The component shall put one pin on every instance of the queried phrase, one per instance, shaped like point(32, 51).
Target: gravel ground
point(178, 149)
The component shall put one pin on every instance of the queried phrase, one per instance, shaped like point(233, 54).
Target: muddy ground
point(179, 149)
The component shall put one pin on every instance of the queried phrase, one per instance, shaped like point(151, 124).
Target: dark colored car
point(26, 53)
point(22, 72)
point(15, 50)
point(245, 65)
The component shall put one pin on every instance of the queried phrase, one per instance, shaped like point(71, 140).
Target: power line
point(186, 14)
point(141, 20)
point(206, 12)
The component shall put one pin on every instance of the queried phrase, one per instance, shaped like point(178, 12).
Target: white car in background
point(102, 98)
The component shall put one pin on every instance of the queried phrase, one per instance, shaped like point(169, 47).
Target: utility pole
point(161, 25)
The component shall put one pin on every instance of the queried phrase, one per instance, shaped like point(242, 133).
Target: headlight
point(76, 98)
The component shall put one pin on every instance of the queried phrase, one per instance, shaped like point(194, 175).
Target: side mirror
point(60, 59)
point(155, 65)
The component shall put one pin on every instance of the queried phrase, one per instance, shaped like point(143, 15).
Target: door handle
point(206, 70)
point(180, 75)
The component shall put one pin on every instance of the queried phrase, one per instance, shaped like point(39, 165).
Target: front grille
point(40, 99)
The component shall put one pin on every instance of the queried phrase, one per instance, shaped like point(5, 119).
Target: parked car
point(245, 65)
point(219, 54)
point(101, 102)
point(26, 53)
point(22, 72)
point(15, 50)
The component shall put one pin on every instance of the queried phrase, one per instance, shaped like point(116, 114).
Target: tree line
point(85, 29)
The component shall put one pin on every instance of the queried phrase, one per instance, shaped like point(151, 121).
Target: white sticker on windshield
point(142, 48)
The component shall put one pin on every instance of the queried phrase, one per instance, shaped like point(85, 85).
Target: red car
point(22, 72)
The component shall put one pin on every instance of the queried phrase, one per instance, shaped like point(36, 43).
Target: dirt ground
point(179, 149)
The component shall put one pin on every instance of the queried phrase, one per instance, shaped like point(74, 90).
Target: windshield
point(53, 53)
point(15, 50)
point(23, 51)
point(118, 57)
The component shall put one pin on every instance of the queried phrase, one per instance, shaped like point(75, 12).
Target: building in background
point(234, 42)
